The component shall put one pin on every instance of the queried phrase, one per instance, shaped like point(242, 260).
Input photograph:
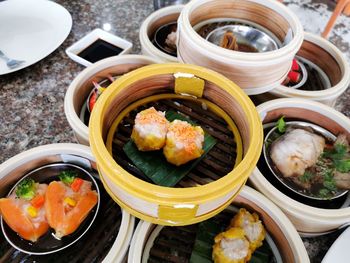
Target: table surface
point(31, 107)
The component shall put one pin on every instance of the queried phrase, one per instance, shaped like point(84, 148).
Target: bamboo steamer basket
point(255, 73)
point(151, 24)
point(81, 86)
point(16, 167)
point(166, 205)
point(330, 60)
point(276, 223)
point(308, 220)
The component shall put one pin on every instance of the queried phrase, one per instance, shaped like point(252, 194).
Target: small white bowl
point(90, 38)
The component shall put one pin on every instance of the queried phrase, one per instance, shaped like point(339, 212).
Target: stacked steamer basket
point(153, 243)
point(309, 217)
point(255, 73)
point(152, 26)
point(327, 77)
point(207, 98)
point(103, 73)
point(110, 233)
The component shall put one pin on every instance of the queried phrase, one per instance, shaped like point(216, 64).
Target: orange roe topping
point(185, 133)
point(151, 115)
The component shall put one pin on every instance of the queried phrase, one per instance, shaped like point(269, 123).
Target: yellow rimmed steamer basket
point(308, 219)
point(155, 243)
point(167, 205)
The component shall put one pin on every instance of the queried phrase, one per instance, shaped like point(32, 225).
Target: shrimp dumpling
point(231, 246)
point(252, 226)
point(150, 129)
point(184, 142)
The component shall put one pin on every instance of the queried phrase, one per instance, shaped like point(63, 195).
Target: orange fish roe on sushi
point(149, 131)
point(24, 212)
point(184, 142)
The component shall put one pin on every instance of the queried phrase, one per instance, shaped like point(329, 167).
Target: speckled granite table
point(31, 107)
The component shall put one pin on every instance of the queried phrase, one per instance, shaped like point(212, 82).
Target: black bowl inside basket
point(93, 246)
point(292, 192)
point(48, 243)
point(161, 35)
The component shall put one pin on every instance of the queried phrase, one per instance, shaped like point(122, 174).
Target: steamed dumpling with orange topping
point(150, 129)
point(184, 142)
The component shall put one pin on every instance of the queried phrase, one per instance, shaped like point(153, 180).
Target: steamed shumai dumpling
point(252, 226)
point(184, 142)
point(231, 246)
point(150, 129)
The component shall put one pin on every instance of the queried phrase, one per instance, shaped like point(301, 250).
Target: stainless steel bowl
point(328, 135)
point(246, 35)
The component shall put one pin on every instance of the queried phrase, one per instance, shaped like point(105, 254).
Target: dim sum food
point(252, 226)
point(150, 129)
point(296, 150)
point(68, 203)
point(237, 244)
point(231, 246)
point(184, 142)
point(309, 160)
point(23, 210)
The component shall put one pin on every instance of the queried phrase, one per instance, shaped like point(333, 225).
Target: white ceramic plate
point(339, 251)
point(31, 29)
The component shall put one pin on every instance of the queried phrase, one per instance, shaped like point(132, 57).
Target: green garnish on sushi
point(26, 189)
point(67, 177)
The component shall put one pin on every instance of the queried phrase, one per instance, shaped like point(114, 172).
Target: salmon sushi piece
point(67, 205)
point(150, 129)
point(184, 142)
point(24, 212)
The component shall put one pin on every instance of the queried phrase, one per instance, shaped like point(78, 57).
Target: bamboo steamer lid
point(277, 224)
point(166, 205)
point(16, 167)
point(80, 87)
point(151, 24)
point(255, 73)
point(330, 59)
point(307, 219)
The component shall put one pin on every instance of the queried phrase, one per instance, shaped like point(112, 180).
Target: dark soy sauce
point(98, 50)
